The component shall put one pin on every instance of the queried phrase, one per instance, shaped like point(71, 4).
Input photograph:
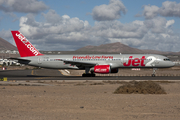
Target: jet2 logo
point(135, 62)
point(22, 38)
point(27, 44)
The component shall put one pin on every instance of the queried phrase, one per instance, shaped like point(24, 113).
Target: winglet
point(26, 49)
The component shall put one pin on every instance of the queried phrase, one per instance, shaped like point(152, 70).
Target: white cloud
point(65, 33)
point(23, 6)
point(162, 42)
point(66, 17)
point(169, 23)
point(116, 29)
point(156, 25)
point(6, 34)
point(138, 22)
point(150, 11)
point(168, 9)
point(52, 17)
point(56, 30)
point(108, 12)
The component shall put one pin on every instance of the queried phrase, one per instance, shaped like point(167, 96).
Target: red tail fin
point(25, 48)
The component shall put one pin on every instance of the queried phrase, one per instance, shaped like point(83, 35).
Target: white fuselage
point(114, 60)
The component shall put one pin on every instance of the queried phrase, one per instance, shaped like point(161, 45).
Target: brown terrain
point(120, 48)
point(4, 45)
point(111, 48)
point(86, 100)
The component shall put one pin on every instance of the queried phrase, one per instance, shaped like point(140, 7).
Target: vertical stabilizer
point(26, 49)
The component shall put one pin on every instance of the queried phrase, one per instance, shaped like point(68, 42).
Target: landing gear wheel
point(154, 72)
point(93, 75)
point(88, 75)
point(153, 75)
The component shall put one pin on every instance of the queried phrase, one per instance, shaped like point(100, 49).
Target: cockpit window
point(166, 59)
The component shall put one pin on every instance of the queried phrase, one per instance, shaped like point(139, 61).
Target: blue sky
point(72, 24)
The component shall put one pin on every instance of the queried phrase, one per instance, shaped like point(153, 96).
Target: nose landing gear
point(154, 72)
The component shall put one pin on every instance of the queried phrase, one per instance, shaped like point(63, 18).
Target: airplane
point(91, 63)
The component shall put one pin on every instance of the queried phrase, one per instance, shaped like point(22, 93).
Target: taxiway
point(51, 74)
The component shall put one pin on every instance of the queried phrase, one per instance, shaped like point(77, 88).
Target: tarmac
point(51, 74)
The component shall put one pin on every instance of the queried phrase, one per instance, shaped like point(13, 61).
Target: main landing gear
point(154, 72)
point(87, 74)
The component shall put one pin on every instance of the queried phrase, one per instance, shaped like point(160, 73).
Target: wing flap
point(78, 63)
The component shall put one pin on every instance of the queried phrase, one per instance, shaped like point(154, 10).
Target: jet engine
point(104, 69)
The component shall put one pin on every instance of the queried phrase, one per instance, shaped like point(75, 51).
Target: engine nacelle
point(104, 69)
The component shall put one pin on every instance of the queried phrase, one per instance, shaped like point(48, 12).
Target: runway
point(51, 74)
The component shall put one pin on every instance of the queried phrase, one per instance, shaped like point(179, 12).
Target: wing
point(78, 63)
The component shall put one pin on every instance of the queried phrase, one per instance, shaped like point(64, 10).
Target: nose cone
point(172, 64)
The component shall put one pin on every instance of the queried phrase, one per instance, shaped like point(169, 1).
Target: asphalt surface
point(50, 74)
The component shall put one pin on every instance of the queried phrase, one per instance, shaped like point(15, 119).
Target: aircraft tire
point(88, 75)
point(153, 75)
point(93, 75)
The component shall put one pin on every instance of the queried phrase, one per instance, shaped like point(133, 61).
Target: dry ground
point(87, 101)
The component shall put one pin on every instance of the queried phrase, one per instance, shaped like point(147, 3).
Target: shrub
point(142, 87)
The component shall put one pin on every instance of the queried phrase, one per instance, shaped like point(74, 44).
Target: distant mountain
point(104, 48)
point(111, 48)
point(120, 48)
point(4, 45)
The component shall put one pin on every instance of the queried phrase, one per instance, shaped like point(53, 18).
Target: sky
point(66, 25)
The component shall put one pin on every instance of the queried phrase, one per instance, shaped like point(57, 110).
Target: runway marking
point(44, 77)
point(32, 72)
point(60, 72)
point(63, 72)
